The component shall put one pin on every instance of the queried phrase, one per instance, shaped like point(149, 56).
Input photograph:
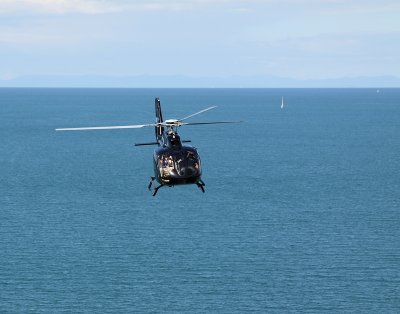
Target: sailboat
point(282, 103)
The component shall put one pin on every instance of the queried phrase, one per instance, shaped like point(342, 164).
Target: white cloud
point(91, 6)
point(71, 6)
point(103, 6)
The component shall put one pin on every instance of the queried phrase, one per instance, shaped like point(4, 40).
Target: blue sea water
point(301, 211)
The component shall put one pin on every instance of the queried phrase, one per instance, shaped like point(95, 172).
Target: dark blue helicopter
point(174, 163)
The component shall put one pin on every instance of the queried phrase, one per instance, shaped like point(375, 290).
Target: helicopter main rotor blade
point(216, 122)
point(195, 114)
point(137, 126)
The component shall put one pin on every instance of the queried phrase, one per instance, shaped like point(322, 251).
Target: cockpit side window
point(192, 156)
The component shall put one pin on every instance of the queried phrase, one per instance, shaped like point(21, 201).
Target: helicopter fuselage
point(172, 167)
point(175, 163)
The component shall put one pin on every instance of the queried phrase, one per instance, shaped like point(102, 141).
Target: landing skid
point(157, 188)
point(201, 185)
point(150, 185)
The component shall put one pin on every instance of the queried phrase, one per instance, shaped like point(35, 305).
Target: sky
point(299, 39)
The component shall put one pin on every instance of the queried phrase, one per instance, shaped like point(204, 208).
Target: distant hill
point(176, 81)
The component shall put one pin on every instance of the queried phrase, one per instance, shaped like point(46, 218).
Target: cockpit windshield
point(179, 162)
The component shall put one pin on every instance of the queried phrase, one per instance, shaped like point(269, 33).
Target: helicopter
point(174, 163)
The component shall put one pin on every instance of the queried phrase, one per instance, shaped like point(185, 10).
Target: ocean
point(301, 211)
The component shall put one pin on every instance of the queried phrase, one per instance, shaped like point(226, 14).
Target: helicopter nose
point(188, 172)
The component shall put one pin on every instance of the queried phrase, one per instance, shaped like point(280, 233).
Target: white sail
point(282, 103)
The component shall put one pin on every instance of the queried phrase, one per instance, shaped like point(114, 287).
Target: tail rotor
point(159, 129)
